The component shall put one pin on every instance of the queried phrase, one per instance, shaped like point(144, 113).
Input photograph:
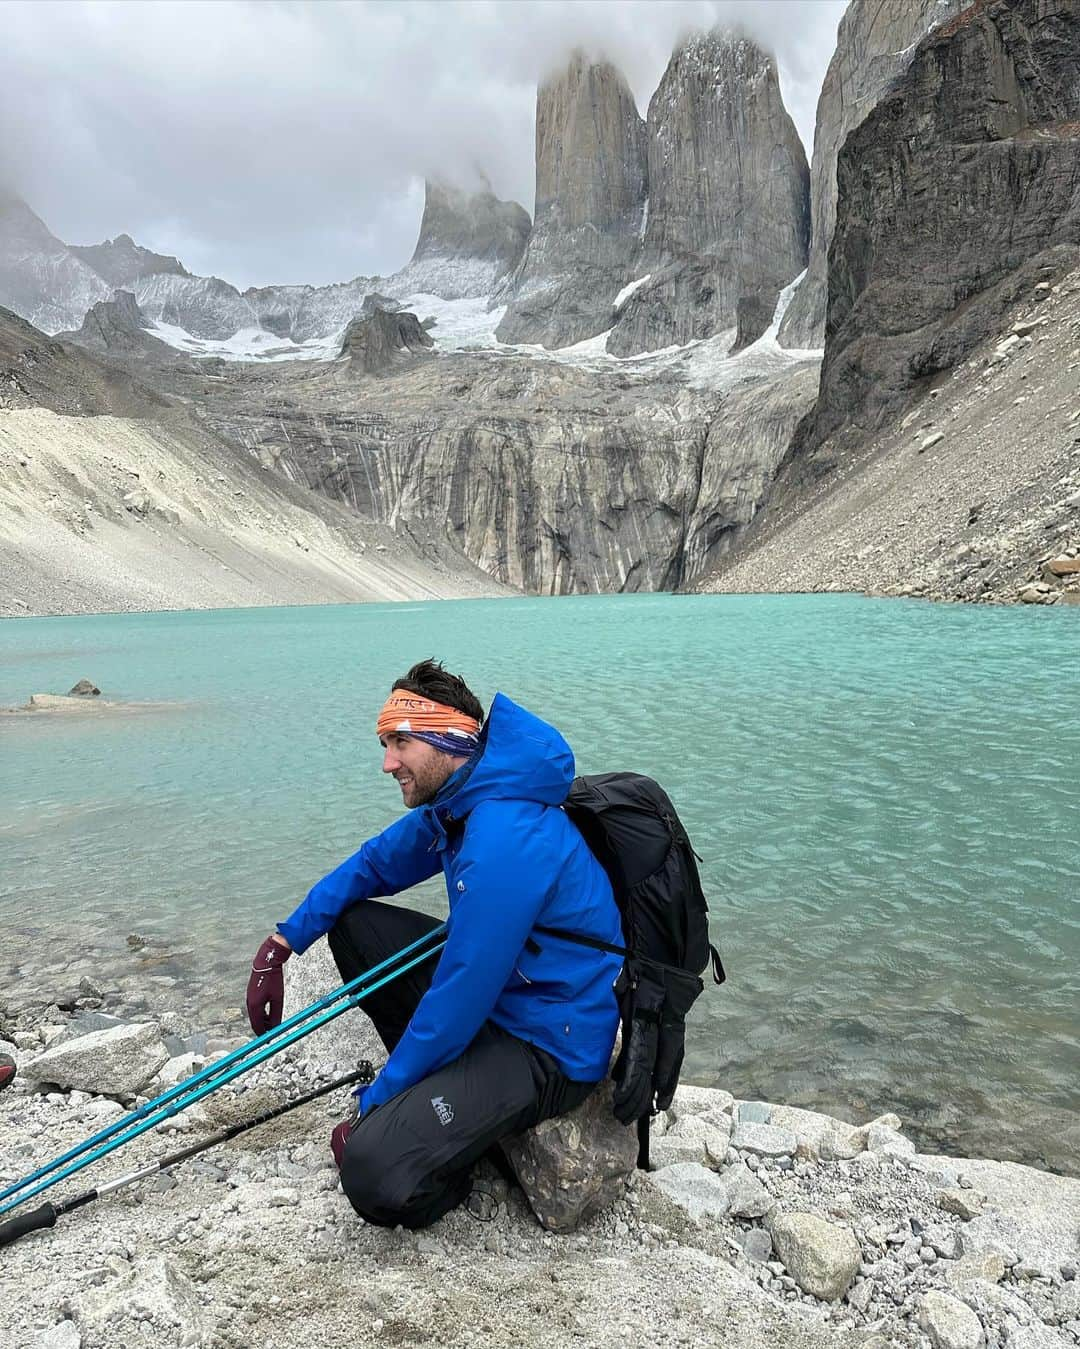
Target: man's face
point(419, 769)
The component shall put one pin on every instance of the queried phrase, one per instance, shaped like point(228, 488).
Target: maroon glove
point(339, 1138)
point(266, 987)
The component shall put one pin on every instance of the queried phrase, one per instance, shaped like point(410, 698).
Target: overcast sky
point(271, 141)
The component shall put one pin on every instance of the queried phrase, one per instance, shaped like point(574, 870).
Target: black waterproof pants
point(410, 1161)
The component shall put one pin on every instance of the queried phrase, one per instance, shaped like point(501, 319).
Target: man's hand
point(339, 1138)
point(266, 987)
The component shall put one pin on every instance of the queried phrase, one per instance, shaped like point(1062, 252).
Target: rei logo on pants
point(444, 1112)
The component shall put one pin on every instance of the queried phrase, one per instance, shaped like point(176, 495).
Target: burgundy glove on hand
point(266, 987)
point(339, 1138)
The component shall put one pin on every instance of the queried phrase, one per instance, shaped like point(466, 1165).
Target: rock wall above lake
point(875, 42)
point(953, 196)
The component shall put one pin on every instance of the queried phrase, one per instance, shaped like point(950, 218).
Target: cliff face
point(875, 43)
point(958, 193)
point(548, 476)
point(728, 210)
point(121, 261)
point(468, 242)
point(41, 279)
point(590, 199)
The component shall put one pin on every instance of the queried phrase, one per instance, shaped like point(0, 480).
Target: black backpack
point(632, 829)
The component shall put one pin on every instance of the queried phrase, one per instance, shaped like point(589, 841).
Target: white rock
point(690, 1100)
point(120, 1061)
point(696, 1189)
point(822, 1257)
point(819, 1137)
point(64, 1335)
point(882, 1138)
point(764, 1140)
point(949, 1323)
point(176, 1070)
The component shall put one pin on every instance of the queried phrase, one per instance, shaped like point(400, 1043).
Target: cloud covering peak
point(288, 142)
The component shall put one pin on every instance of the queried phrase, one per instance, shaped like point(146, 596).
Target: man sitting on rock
point(504, 1028)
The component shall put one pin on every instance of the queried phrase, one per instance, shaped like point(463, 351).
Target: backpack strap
point(595, 944)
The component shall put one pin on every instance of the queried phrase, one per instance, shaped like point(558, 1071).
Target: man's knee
point(389, 1191)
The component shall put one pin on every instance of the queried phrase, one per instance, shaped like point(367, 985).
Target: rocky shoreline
point(760, 1224)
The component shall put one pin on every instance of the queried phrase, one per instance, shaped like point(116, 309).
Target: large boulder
point(575, 1165)
point(948, 1322)
point(380, 341)
point(117, 1062)
point(822, 1257)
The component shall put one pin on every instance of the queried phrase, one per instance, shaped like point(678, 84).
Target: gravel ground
point(112, 514)
point(254, 1244)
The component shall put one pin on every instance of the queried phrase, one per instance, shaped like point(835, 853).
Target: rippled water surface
point(886, 794)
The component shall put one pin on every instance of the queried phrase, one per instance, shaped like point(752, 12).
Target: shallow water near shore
point(885, 793)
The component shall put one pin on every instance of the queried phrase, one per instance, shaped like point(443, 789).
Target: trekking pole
point(47, 1214)
point(240, 1061)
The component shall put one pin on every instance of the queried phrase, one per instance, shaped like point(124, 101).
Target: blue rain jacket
point(517, 862)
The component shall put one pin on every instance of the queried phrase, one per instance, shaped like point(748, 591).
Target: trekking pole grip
point(14, 1228)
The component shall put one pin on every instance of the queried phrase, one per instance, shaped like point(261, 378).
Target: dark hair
point(430, 680)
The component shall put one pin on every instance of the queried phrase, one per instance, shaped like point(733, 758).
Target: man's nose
point(390, 761)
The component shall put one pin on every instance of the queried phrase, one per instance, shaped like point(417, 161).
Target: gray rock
point(757, 1245)
point(120, 1061)
point(860, 1295)
point(948, 1322)
point(880, 1138)
point(875, 41)
point(747, 1197)
point(764, 1140)
point(819, 1137)
point(590, 200)
point(673, 1149)
point(697, 1190)
point(575, 1165)
point(377, 343)
point(963, 1203)
point(1037, 1336)
point(961, 166)
point(83, 689)
point(822, 1257)
point(468, 242)
point(752, 1112)
point(729, 198)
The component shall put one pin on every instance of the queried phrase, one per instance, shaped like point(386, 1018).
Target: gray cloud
point(273, 141)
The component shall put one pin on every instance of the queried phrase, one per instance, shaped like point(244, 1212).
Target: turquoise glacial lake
point(886, 795)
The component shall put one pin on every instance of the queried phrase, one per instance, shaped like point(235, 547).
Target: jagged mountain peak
point(461, 223)
point(123, 262)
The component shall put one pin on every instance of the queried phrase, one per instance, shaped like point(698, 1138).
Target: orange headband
point(406, 713)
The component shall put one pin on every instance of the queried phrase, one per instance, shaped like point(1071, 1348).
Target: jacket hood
point(519, 758)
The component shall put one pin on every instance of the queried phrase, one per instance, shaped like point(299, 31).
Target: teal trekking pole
point(225, 1070)
point(47, 1214)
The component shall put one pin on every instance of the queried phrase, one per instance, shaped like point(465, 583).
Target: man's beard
point(426, 783)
